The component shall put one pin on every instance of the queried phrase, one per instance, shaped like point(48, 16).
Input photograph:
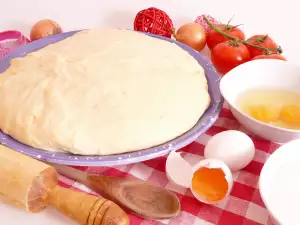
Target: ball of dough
point(102, 92)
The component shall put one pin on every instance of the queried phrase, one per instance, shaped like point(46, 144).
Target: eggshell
point(213, 163)
point(233, 147)
point(178, 170)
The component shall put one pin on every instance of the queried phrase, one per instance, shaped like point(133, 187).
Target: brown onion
point(193, 35)
point(44, 28)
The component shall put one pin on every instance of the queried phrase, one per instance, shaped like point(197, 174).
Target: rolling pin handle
point(87, 209)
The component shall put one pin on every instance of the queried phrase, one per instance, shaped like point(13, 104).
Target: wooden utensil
point(144, 200)
point(32, 185)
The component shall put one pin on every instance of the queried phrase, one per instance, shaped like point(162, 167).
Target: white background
point(280, 20)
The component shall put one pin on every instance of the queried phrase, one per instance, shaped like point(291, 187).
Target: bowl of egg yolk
point(264, 96)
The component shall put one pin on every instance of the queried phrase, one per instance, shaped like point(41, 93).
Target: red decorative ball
point(154, 21)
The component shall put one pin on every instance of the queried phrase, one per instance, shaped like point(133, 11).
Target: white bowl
point(279, 184)
point(265, 73)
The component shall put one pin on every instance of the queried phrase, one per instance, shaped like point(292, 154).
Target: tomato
point(213, 37)
point(225, 56)
point(273, 56)
point(262, 41)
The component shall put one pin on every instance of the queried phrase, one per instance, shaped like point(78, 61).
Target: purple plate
point(204, 123)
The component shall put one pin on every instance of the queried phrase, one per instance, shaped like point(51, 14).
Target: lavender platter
point(204, 123)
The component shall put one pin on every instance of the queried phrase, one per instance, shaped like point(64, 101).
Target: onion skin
point(44, 28)
point(193, 35)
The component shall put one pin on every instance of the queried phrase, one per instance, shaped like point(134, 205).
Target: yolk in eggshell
point(210, 184)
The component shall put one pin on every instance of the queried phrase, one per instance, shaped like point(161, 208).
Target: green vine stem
point(236, 40)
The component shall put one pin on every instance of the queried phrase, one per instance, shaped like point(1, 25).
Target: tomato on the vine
point(226, 56)
point(213, 37)
point(272, 56)
point(263, 41)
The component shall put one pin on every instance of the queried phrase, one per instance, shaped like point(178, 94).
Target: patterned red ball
point(154, 21)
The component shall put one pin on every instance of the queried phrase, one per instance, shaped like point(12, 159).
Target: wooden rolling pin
point(33, 185)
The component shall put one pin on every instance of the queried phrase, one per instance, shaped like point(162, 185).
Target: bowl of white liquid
point(279, 184)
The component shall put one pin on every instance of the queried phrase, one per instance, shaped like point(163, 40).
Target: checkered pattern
point(244, 205)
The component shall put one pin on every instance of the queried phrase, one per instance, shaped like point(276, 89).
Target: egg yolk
point(290, 114)
point(264, 113)
point(210, 184)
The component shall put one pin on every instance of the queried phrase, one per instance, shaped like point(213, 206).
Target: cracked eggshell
point(178, 170)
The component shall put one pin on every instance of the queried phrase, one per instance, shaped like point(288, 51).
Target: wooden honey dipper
point(33, 185)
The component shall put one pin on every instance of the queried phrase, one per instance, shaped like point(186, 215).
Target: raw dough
point(102, 92)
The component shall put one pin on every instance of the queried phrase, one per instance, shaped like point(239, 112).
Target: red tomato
point(273, 56)
point(262, 41)
point(225, 56)
point(213, 37)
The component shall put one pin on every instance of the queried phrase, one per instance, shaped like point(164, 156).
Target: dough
point(102, 92)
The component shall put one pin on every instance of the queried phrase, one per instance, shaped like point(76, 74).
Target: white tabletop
point(10, 215)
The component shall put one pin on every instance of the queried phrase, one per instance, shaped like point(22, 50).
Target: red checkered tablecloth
point(244, 205)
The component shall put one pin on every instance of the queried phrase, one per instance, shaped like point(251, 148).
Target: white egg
point(213, 163)
point(233, 147)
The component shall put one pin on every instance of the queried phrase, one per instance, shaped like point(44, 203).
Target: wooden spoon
point(140, 198)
